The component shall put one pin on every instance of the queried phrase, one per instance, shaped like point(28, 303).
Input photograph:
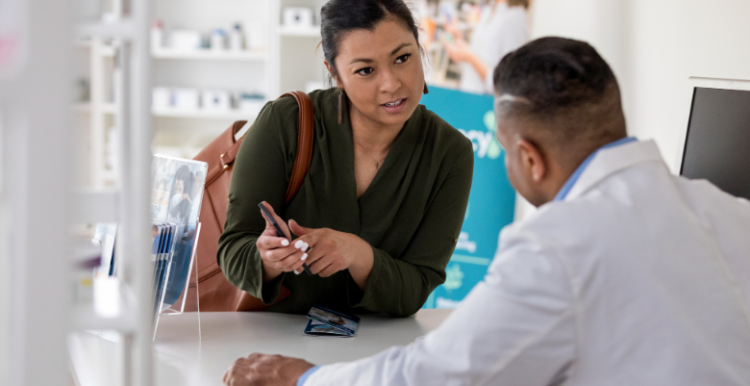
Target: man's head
point(556, 102)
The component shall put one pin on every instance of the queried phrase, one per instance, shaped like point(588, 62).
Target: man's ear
point(532, 161)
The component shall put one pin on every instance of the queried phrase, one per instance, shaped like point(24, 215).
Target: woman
point(180, 202)
point(502, 28)
point(381, 207)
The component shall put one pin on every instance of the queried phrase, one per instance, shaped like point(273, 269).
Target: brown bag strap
point(303, 156)
point(227, 158)
point(305, 136)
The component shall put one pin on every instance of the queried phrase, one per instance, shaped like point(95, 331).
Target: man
point(627, 275)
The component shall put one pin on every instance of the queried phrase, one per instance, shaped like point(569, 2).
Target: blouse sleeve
point(400, 285)
point(262, 158)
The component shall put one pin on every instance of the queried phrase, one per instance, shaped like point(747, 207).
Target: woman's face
point(381, 72)
point(179, 187)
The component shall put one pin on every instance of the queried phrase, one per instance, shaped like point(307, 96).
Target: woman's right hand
point(276, 253)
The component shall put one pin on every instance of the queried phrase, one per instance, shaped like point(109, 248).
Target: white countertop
point(183, 359)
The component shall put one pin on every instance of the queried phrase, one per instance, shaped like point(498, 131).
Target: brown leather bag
point(214, 291)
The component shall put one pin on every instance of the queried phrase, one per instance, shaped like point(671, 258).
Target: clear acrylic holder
point(178, 298)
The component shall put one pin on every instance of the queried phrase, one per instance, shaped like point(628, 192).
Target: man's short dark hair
point(564, 82)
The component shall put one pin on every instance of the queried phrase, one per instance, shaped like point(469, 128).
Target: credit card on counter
point(325, 321)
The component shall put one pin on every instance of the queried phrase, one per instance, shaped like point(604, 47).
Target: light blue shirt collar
point(303, 378)
point(577, 174)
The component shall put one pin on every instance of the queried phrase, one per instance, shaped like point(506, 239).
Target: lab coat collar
point(612, 160)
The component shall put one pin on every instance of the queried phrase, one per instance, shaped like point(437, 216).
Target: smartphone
point(280, 232)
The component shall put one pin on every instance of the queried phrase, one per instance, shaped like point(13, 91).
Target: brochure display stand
point(175, 205)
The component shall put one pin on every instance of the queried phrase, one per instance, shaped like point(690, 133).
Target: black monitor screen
point(717, 147)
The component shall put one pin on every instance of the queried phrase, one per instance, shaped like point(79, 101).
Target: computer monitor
point(716, 144)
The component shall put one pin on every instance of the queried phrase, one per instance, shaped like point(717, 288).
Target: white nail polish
point(304, 257)
point(295, 272)
point(298, 244)
point(307, 246)
point(284, 243)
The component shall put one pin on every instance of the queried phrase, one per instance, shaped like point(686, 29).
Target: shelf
point(210, 55)
point(310, 32)
point(107, 108)
point(85, 318)
point(93, 359)
point(106, 50)
point(95, 205)
point(114, 310)
point(125, 29)
point(232, 114)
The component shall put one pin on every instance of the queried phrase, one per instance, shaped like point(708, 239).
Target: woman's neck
point(372, 136)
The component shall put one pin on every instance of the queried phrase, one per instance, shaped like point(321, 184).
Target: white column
point(36, 146)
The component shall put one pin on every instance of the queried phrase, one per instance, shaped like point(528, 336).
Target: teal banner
point(492, 200)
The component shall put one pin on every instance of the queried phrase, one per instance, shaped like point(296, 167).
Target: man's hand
point(265, 370)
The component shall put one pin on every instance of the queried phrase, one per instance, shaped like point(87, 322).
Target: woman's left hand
point(332, 251)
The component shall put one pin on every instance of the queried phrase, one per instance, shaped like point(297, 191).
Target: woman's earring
point(341, 105)
point(426, 90)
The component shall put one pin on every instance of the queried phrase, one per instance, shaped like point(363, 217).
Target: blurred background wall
point(654, 46)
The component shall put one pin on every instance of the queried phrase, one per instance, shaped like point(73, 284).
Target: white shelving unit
point(204, 114)
point(97, 114)
point(39, 208)
point(35, 105)
point(210, 55)
point(297, 57)
point(106, 108)
point(313, 32)
point(248, 71)
point(106, 51)
point(120, 119)
point(287, 59)
point(87, 318)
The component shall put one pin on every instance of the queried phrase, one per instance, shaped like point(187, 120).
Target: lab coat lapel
point(610, 161)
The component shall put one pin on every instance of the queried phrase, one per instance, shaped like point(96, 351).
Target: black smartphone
point(281, 233)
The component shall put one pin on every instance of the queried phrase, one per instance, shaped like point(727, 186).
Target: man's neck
point(568, 174)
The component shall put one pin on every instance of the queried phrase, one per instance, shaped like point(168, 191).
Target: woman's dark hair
point(338, 17)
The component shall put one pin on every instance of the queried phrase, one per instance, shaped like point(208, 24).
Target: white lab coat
point(638, 277)
point(498, 32)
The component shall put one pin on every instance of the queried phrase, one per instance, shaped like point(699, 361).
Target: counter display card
point(325, 321)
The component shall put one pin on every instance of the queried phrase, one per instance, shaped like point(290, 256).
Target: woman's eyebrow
point(361, 60)
point(399, 48)
point(392, 53)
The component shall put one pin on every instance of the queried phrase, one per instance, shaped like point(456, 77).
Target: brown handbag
point(215, 293)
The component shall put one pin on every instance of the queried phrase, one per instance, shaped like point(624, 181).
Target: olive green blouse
point(411, 214)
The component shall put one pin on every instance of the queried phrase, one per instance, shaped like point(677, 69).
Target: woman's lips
point(396, 106)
